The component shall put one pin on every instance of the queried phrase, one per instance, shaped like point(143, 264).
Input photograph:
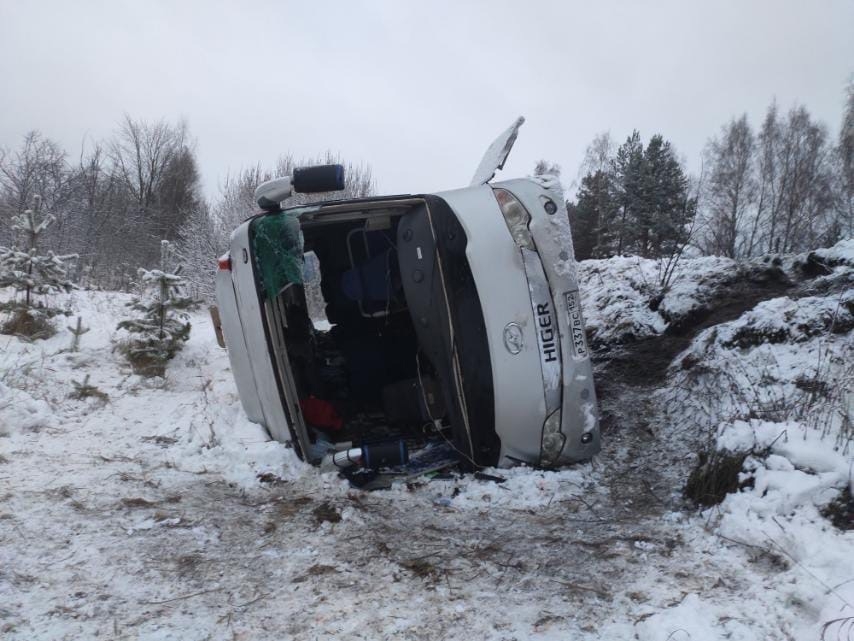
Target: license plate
point(576, 326)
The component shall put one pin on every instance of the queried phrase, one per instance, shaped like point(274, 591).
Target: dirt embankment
point(644, 363)
point(645, 474)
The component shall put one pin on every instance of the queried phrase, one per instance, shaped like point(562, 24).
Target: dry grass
point(24, 323)
point(144, 364)
point(715, 476)
point(326, 512)
point(840, 511)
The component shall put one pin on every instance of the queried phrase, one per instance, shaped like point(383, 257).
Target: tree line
point(114, 204)
point(784, 187)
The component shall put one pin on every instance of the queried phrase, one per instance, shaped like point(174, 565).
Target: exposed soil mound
point(645, 362)
point(632, 367)
point(715, 476)
point(840, 511)
point(729, 298)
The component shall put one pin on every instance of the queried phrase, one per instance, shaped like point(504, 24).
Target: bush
point(29, 323)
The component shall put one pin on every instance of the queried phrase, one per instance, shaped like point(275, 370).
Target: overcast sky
point(416, 89)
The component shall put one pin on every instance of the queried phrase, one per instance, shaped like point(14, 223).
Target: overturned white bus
point(452, 315)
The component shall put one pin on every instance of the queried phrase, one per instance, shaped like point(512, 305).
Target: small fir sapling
point(32, 274)
point(161, 327)
point(83, 390)
point(76, 332)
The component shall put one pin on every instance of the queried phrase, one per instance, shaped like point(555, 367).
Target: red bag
point(320, 413)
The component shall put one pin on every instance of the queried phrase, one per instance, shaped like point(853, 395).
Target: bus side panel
point(238, 353)
point(257, 347)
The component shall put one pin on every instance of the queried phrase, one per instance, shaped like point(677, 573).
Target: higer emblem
point(513, 339)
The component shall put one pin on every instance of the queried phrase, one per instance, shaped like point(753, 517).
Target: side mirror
point(313, 180)
point(306, 180)
point(270, 194)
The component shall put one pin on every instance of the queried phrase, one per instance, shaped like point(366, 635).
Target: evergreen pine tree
point(627, 175)
point(666, 208)
point(592, 218)
point(648, 209)
point(32, 274)
point(162, 327)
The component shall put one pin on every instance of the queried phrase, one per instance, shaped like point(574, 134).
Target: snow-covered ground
point(160, 512)
point(617, 293)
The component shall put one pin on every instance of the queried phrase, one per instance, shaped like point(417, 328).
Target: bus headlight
point(516, 217)
point(553, 440)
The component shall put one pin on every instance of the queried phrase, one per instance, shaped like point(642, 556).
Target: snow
point(780, 514)
point(691, 620)
point(162, 513)
point(616, 294)
point(785, 358)
point(841, 252)
point(20, 411)
point(776, 383)
point(786, 320)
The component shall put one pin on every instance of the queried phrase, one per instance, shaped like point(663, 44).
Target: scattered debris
point(137, 502)
point(483, 476)
point(420, 567)
point(268, 478)
point(326, 513)
point(320, 569)
point(159, 439)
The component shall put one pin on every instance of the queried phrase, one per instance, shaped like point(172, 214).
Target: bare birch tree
point(730, 192)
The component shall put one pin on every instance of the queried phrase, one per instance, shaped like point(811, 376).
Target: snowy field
point(155, 510)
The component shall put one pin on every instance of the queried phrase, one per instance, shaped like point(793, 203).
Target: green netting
point(278, 246)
